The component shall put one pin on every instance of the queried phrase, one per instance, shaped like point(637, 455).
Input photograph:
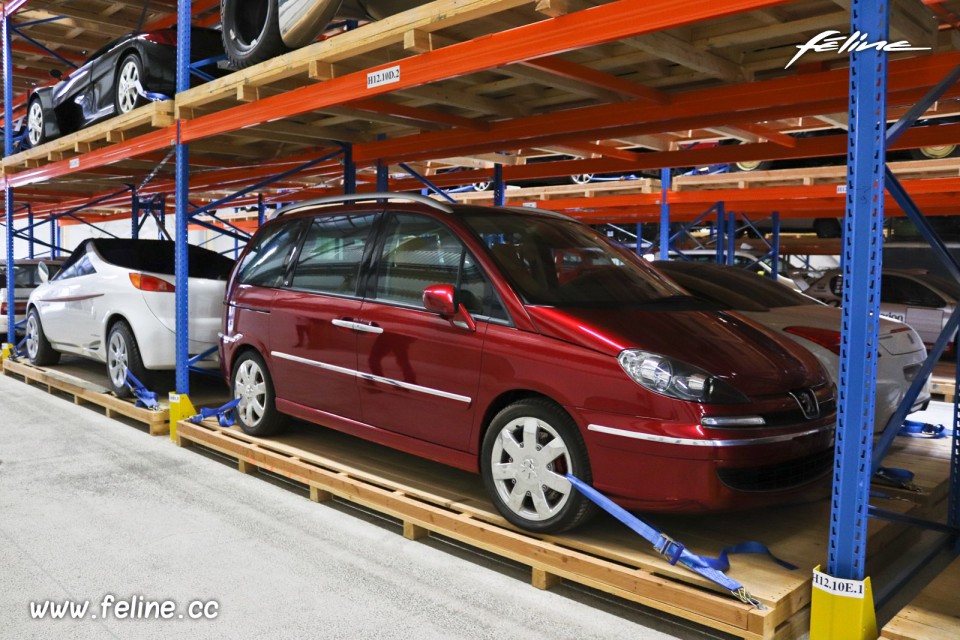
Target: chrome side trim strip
point(692, 442)
point(373, 378)
point(314, 363)
point(357, 326)
point(414, 387)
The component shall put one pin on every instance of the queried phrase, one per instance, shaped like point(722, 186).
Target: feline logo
point(832, 40)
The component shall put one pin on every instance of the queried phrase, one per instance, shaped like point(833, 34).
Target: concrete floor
point(90, 506)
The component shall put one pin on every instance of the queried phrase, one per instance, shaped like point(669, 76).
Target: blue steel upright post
point(834, 613)
point(664, 214)
point(31, 231)
point(499, 191)
point(134, 214)
point(182, 212)
point(775, 245)
point(8, 151)
point(349, 170)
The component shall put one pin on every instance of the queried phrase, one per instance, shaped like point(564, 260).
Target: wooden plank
point(701, 606)
point(155, 114)
point(933, 614)
point(83, 392)
point(389, 31)
point(453, 503)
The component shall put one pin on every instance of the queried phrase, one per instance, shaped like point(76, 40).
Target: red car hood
point(723, 344)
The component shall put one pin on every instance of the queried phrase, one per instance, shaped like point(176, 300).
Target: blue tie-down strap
point(145, 398)
point(896, 477)
point(224, 414)
point(675, 552)
point(914, 429)
point(19, 350)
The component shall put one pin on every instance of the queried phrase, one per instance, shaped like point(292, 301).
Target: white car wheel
point(528, 449)
point(35, 124)
point(256, 412)
point(129, 88)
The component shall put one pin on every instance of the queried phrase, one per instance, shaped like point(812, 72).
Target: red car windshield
point(562, 263)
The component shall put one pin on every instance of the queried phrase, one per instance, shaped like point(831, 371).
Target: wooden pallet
point(943, 388)
point(934, 614)
point(805, 176)
point(86, 393)
point(155, 115)
point(428, 497)
point(589, 190)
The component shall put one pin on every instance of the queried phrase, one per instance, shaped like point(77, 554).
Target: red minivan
point(521, 344)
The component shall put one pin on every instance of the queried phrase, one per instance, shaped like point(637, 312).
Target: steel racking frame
point(870, 81)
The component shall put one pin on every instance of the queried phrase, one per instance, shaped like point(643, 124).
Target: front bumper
point(707, 469)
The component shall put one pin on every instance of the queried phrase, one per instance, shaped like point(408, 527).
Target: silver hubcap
point(528, 464)
point(117, 360)
point(251, 388)
point(128, 89)
point(35, 123)
point(583, 178)
point(33, 337)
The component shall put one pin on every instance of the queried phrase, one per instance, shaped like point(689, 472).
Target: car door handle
point(366, 327)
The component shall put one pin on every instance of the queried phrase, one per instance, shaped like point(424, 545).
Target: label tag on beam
point(841, 609)
point(383, 76)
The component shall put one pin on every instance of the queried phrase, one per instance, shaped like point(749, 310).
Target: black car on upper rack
point(117, 78)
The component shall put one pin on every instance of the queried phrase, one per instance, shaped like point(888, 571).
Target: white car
point(813, 324)
point(113, 301)
point(26, 277)
point(922, 300)
point(741, 259)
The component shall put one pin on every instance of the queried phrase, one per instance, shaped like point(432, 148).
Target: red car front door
point(419, 371)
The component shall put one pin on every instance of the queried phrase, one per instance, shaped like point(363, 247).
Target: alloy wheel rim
point(752, 165)
point(528, 465)
point(33, 337)
point(117, 360)
point(249, 386)
point(129, 89)
point(35, 123)
point(938, 151)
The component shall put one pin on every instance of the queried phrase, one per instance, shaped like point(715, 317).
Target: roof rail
point(354, 197)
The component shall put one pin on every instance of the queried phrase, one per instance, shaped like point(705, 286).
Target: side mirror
point(44, 272)
point(56, 73)
point(439, 298)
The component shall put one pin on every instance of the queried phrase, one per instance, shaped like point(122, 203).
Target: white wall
point(72, 235)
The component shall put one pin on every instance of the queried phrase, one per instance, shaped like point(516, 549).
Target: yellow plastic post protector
point(842, 609)
point(6, 350)
point(180, 409)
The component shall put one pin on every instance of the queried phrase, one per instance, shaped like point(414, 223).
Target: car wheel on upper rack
point(751, 165)
point(582, 178)
point(935, 152)
point(257, 411)
point(39, 350)
point(123, 355)
point(251, 31)
point(36, 133)
point(528, 449)
point(127, 94)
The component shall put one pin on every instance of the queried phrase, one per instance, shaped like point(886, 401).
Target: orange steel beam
point(592, 26)
point(587, 75)
point(769, 134)
point(418, 114)
point(32, 49)
point(603, 150)
point(808, 94)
